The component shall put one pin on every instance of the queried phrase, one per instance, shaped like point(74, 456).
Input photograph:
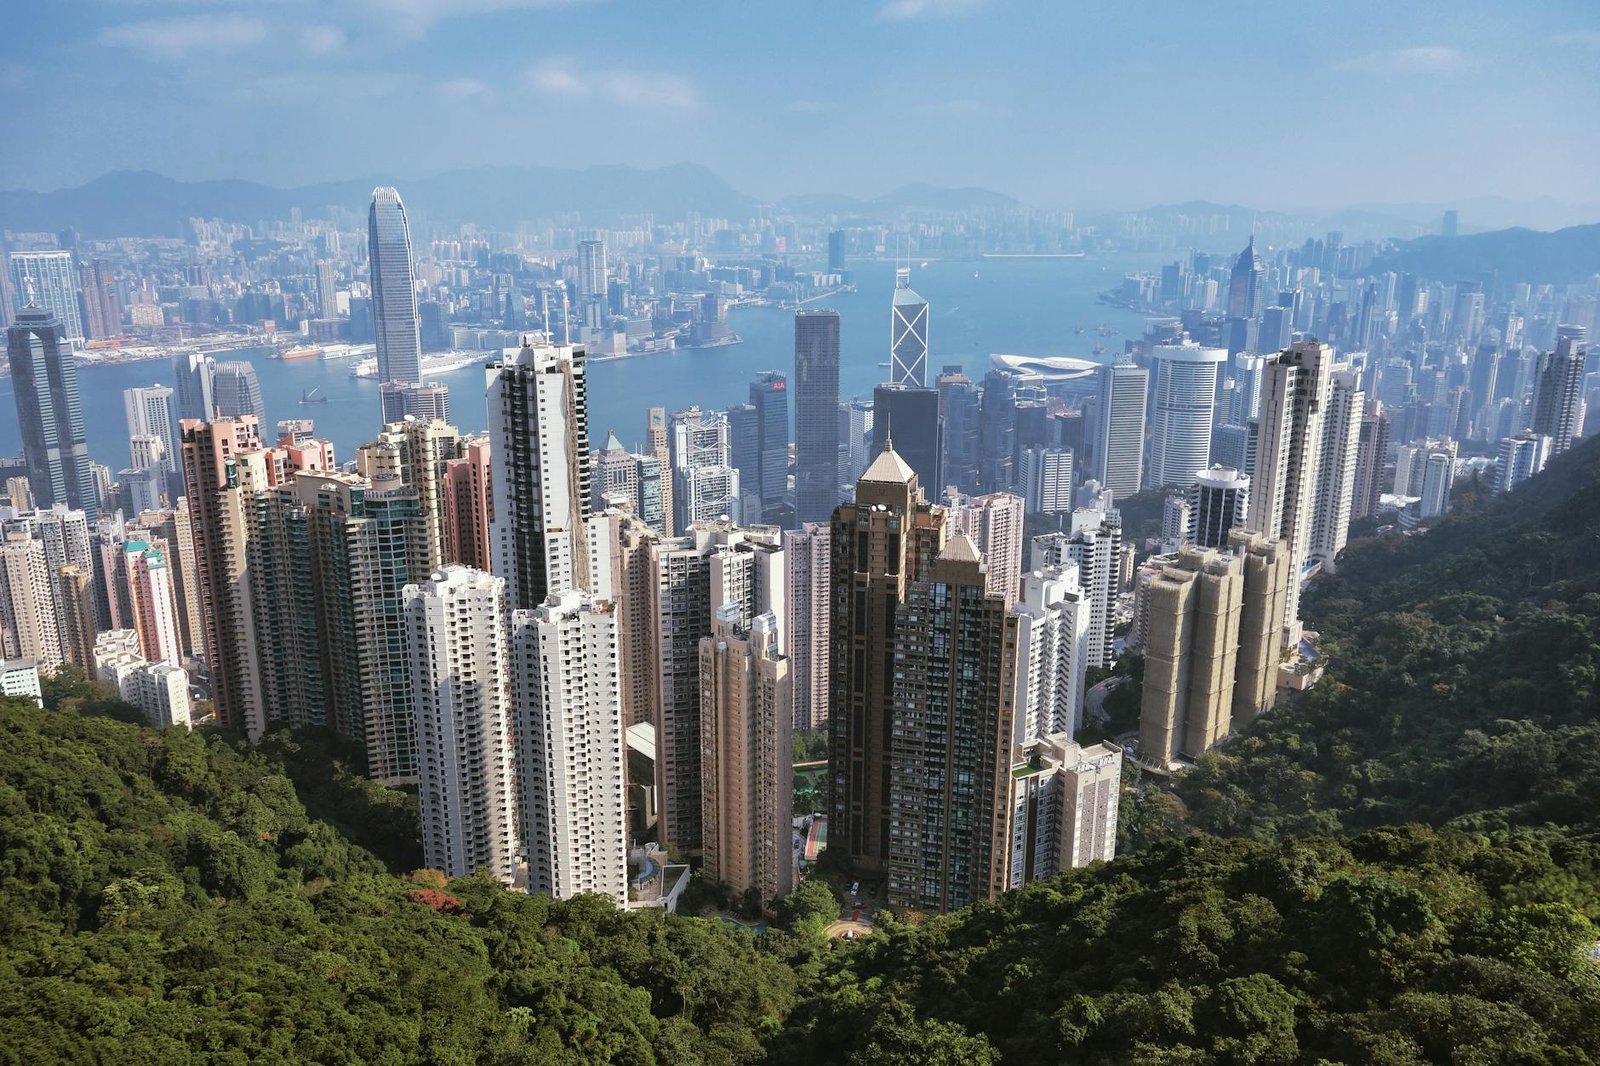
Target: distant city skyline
point(1395, 103)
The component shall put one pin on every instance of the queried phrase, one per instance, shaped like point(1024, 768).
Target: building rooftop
point(890, 468)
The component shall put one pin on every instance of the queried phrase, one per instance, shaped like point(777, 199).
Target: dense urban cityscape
point(665, 626)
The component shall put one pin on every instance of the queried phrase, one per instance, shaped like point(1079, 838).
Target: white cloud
point(1424, 59)
point(902, 10)
point(321, 40)
point(416, 17)
point(179, 37)
point(630, 88)
point(464, 89)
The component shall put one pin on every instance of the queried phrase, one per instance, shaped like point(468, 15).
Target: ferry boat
point(306, 351)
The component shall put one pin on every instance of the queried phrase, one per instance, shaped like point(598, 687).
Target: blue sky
point(1071, 103)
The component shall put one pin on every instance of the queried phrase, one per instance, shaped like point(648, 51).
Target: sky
point(1067, 103)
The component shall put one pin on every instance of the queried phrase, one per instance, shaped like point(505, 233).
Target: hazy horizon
point(1097, 107)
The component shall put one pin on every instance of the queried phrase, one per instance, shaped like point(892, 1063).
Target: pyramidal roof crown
point(889, 467)
point(960, 548)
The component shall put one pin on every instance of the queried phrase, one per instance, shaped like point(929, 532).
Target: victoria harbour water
point(1014, 306)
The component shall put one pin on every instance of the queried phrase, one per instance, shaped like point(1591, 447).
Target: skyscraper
point(27, 603)
point(569, 729)
point(1558, 406)
point(150, 413)
point(592, 283)
point(1294, 397)
point(1051, 623)
point(539, 447)
point(959, 405)
point(769, 395)
point(911, 414)
point(707, 485)
point(1518, 458)
point(1372, 450)
point(1119, 428)
point(658, 443)
point(746, 708)
point(236, 392)
point(400, 399)
point(816, 429)
point(1336, 475)
point(154, 600)
point(1093, 544)
point(882, 542)
point(951, 707)
point(1181, 411)
point(807, 576)
point(908, 334)
point(836, 251)
point(327, 289)
point(416, 453)
point(53, 284)
point(44, 377)
point(192, 373)
point(394, 294)
point(460, 685)
point(995, 523)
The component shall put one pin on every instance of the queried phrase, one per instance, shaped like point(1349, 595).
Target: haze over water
point(1016, 306)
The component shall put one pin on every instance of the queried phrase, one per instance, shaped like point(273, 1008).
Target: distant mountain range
point(128, 202)
point(1558, 257)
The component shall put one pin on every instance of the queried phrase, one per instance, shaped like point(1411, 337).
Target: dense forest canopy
point(1413, 877)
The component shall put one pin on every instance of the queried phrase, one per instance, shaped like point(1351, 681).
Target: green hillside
point(170, 897)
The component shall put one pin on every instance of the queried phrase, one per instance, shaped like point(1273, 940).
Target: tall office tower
point(807, 577)
point(769, 395)
point(224, 470)
point(744, 454)
point(27, 603)
point(1061, 808)
point(1277, 329)
point(539, 447)
point(1558, 408)
point(75, 615)
point(402, 399)
point(995, 523)
point(1051, 623)
point(836, 251)
point(394, 292)
point(1233, 446)
point(417, 453)
point(1243, 401)
point(1219, 499)
point(1372, 450)
point(1093, 543)
point(882, 542)
point(1451, 223)
point(747, 797)
point(572, 786)
point(327, 289)
point(236, 392)
point(1183, 402)
point(657, 443)
point(1263, 601)
point(192, 374)
point(1518, 458)
point(1466, 318)
point(459, 671)
point(910, 414)
point(816, 415)
point(1191, 654)
point(997, 432)
point(155, 602)
point(102, 313)
point(592, 285)
point(951, 710)
point(48, 280)
point(707, 484)
point(1119, 428)
point(1294, 395)
point(857, 420)
point(44, 379)
point(908, 334)
point(1336, 476)
point(1044, 479)
point(1485, 372)
point(959, 404)
point(1247, 284)
point(614, 477)
point(150, 414)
